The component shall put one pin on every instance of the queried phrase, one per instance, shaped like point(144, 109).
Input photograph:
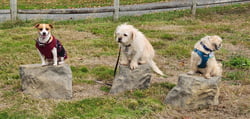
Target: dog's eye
point(40, 29)
point(47, 29)
point(125, 35)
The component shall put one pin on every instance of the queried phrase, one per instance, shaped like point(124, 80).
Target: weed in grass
point(84, 69)
point(238, 61)
point(105, 88)
point(179, 50)
point(168, 36)
point(237, 75)
point(132, 104)
point(103, 73)
point(79, 69)
point(12, 24)
point(8, 93)
point(195, 38)
point(16, 115)
point(107, 108)
point(156, 91)
point(159, 44)
point(80, 73)
point(84, 81)
point(139, 94)
point(165, 85)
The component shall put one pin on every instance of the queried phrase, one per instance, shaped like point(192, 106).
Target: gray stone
point(127, 79)
point(194, 92)
point(47, 81)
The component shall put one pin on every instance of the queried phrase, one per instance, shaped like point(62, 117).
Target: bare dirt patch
point(236, 49)
point(87, 91)
point(176, 29)
point(69, 33)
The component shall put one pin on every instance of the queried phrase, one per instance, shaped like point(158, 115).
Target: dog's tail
point(155, 68)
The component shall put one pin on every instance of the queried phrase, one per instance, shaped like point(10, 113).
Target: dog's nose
point(119, 39)
point(44, 33)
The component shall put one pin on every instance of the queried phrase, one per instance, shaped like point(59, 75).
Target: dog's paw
point(60, 62)
point(133, 65)
point(124, 62)
point(142, 62)
point(207, 76)
point(190, 73)
point(43, 64)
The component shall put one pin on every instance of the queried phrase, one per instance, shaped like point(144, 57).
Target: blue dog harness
point(204, 57)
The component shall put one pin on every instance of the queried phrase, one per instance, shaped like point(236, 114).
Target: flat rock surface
point(193, 92)
point(47, 81)
point(127, 79)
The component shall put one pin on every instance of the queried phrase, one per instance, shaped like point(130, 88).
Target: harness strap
point(204, 58)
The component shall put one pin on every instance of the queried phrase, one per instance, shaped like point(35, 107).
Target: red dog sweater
point(46, 48)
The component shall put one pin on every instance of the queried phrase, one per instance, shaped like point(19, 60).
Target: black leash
point(117, 61)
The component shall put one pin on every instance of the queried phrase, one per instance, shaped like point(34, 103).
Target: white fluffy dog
point(135, 48)
point(203, 59)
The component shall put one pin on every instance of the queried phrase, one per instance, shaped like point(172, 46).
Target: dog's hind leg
point(54, 52)
point(141, 61)
point(193, 64)
point(61, 60)
point(207, 73)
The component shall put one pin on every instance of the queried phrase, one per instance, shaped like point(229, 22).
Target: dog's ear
point(37, 25)
point(50, 26)
point(205, 39)
point(133, 35)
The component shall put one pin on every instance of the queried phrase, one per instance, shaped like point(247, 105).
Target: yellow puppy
point(135, 48)
point(203, 59)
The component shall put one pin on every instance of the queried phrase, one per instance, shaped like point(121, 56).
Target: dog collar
point(126, 47)
point(43, 44)
point(205, 47)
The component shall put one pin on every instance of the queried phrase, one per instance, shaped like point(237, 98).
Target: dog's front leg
point(134, 61)
point(124, 59)
point(207, 73)
point(42, 58)
point(54, 52)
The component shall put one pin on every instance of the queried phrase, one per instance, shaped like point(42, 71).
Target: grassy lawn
point(61, 4)
point(92, 52)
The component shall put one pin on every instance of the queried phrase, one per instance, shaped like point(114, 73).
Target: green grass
point(19, 115)
point(238, 61)
point(131, 105)
point(103, 73)
point(62, 4)
point(237, 75)
point(105, 88)
point(239, 66)
point(91, 58)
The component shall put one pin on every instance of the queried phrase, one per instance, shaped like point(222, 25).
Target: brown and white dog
point(203, 58)
point(48, 46)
